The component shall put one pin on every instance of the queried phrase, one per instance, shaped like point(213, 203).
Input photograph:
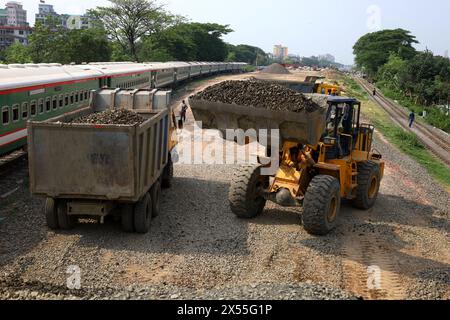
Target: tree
point(187, 42)
point(17, 53)
point(389, 74)
point(248, 54)
point(373, 50)
point(128, 21)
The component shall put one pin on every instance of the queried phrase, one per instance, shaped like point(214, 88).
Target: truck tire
point(246, 200)
point(127, 217)
point(65, 221)
point(143, 214)
point(155, 193)
point(369, 180)
point(322, 205)
point(51, 215)
point(167, 177)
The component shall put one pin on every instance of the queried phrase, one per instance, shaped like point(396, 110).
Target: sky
point(306, 27)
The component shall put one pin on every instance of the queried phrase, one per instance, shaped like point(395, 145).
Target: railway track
point(435, 140)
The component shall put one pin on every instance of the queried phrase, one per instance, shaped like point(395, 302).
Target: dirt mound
point(276, 68)
point(121, 116)
point(258, 94)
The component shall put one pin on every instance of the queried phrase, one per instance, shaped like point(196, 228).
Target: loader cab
point(343, 123)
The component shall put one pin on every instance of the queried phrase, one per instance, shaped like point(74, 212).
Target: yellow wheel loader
point(324, 156)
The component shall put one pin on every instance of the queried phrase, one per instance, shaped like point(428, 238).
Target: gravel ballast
point(119, 117)
point(259, 94)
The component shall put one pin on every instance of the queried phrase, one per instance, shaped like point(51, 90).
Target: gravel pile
point(276, 68)
point(258, 94)
point(120, 117)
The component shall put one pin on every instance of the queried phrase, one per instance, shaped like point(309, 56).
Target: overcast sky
point(307, 27)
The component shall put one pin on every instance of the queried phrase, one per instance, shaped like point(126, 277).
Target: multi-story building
point(280, 52)
point(17, 15)
point(67, 21)
point(14, 27)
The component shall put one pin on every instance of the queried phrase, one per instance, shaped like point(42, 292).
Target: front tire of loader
point(322, 205)
point(245, 197)
point(51, 215)
point(143, 214)
point(369, 180)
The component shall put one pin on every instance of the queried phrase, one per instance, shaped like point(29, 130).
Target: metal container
point(304, 127)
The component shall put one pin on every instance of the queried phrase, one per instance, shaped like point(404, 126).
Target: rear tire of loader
point(369, 180)
point(127, 220)
point(246, 200)
point(66, 222)
point(143, 214)
point(51, 215)
point(322, 205)
point(155, 193)
point(166, 181)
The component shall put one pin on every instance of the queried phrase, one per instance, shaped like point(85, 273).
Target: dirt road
point(198, 249)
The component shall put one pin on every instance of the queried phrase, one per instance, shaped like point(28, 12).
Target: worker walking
point(183, 111)
point(374, 92)
point(412, 118)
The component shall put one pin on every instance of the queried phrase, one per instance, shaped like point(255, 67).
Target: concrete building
point(13, 34)
point(17, 16)
point(3, 17)
point(67, 21)
point(280, 52)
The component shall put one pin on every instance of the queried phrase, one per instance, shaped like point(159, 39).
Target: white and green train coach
point(43, 91)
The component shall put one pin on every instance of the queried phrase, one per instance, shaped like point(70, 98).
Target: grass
point(406, 141)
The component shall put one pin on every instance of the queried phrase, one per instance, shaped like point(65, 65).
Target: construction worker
point(412, 118)
point(374, 92)
point(183, 111)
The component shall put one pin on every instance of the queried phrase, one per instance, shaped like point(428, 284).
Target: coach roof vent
point(3, 66)
point(16, 66)
point(31, 65)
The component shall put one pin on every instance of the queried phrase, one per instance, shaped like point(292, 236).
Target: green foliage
point(187, 42)
point(373, 50)
point(128, 21)
point(249, 54)
point(17, 53)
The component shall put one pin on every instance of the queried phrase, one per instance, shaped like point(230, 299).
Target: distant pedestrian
point(183, 111)
point(374, 92)
point(412, 118)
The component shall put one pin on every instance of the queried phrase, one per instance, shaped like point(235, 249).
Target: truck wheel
point(143, 214)
point(51, 214)
point(66, 222)
point(155, 193)
point(322, 205)
point(127, 215)
point(245, 197)
point(166, 181)
point(369, 180)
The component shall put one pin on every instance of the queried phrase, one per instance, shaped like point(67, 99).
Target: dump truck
point(324, 156)
point(92, 170)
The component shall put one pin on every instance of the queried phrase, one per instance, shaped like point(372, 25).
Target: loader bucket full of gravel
point(260, 106)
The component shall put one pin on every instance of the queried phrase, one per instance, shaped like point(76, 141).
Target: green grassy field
point(407, 142)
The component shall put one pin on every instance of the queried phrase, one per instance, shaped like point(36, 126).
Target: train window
point(33, 109)
point(71, 98)
point(47, 104)
point(81, 96)
point(41, 106)
point(86, 95)
point(76, 97)
point(25, 110)
point(66, 100)
point(5, 115)
point(55, 102)
point(61, 101)
point(15, 112)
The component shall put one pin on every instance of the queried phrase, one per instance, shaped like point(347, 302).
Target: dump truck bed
point(98, 162)
point(302, 127)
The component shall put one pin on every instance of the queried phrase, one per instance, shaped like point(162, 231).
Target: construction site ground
point(198, 249)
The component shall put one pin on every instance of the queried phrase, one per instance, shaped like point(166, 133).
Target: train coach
point(43, 91)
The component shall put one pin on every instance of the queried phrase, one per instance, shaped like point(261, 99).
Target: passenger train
point(43, 91)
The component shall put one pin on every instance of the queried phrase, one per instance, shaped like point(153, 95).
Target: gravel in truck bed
point(120, 117)
point(258, 94)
